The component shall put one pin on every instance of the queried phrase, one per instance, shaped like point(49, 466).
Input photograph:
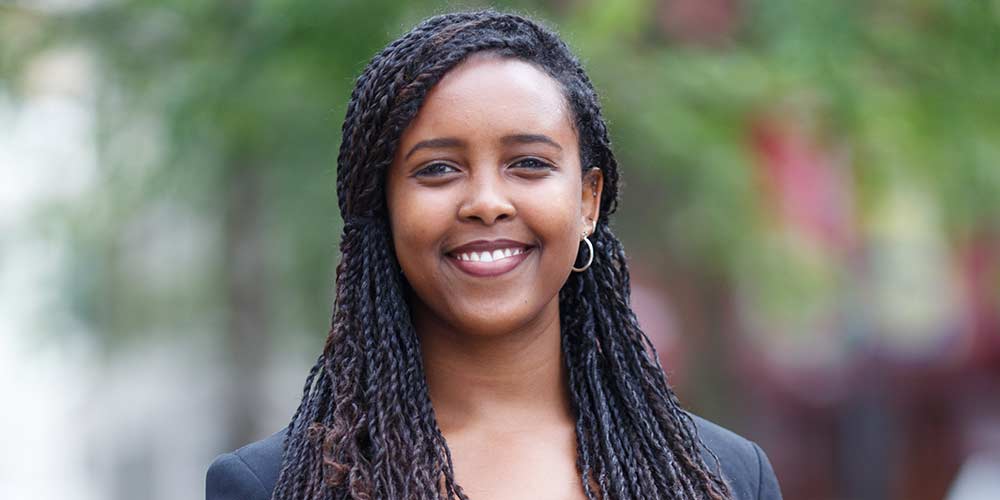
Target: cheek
point(555, 218)
point(417, 222)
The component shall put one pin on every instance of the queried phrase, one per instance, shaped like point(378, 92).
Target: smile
point(486, 259)
point(486, 256)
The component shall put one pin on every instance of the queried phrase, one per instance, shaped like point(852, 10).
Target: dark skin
point(493, 155)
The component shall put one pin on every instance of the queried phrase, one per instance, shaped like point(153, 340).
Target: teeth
point(493, 256)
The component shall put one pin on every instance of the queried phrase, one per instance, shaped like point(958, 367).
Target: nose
point(486, 201)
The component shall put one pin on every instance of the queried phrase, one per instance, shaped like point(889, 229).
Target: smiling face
point(487, 200)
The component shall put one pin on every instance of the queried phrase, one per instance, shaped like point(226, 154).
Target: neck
point(509, 377)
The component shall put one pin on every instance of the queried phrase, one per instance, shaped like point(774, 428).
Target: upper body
point(250, 472)
point(483, 344)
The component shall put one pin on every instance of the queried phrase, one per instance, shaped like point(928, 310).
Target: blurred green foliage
point(904, 92)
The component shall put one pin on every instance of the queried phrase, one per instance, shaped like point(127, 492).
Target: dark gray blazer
point(250, 472)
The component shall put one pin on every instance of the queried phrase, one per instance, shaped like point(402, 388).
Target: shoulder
point(251, 472)
point(745, 466)
point(248, 473)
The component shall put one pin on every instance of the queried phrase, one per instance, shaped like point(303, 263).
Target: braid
point(647, 412)
point(365, 427)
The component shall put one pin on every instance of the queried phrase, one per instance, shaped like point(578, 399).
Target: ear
point(591, 189)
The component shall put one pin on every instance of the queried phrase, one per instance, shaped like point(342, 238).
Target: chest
point(512, 465)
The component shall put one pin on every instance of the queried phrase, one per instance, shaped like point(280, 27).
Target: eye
point(435, 170)
point(532, 165)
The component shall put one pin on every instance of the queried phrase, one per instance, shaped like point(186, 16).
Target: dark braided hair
point(365, 428)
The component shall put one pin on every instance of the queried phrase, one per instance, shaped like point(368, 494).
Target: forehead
point(487, 96)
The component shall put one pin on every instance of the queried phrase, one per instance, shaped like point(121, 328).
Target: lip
point(489, 269)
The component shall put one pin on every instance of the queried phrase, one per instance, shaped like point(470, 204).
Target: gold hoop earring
point(590, 247)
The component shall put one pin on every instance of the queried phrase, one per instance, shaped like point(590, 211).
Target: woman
point(482, 344)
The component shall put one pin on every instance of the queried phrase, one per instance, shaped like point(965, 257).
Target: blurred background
point(811, 206)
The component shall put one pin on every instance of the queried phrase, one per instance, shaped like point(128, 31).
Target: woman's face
point(487, 200)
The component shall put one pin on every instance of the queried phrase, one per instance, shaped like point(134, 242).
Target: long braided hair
point(365, 428)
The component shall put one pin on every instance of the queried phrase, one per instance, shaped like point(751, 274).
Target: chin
point(487, 321)
point(481, 311)
point(489, 326)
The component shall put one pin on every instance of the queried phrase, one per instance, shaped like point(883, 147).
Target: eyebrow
point(444, 142)
point(451, 142)
point(529, 139)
